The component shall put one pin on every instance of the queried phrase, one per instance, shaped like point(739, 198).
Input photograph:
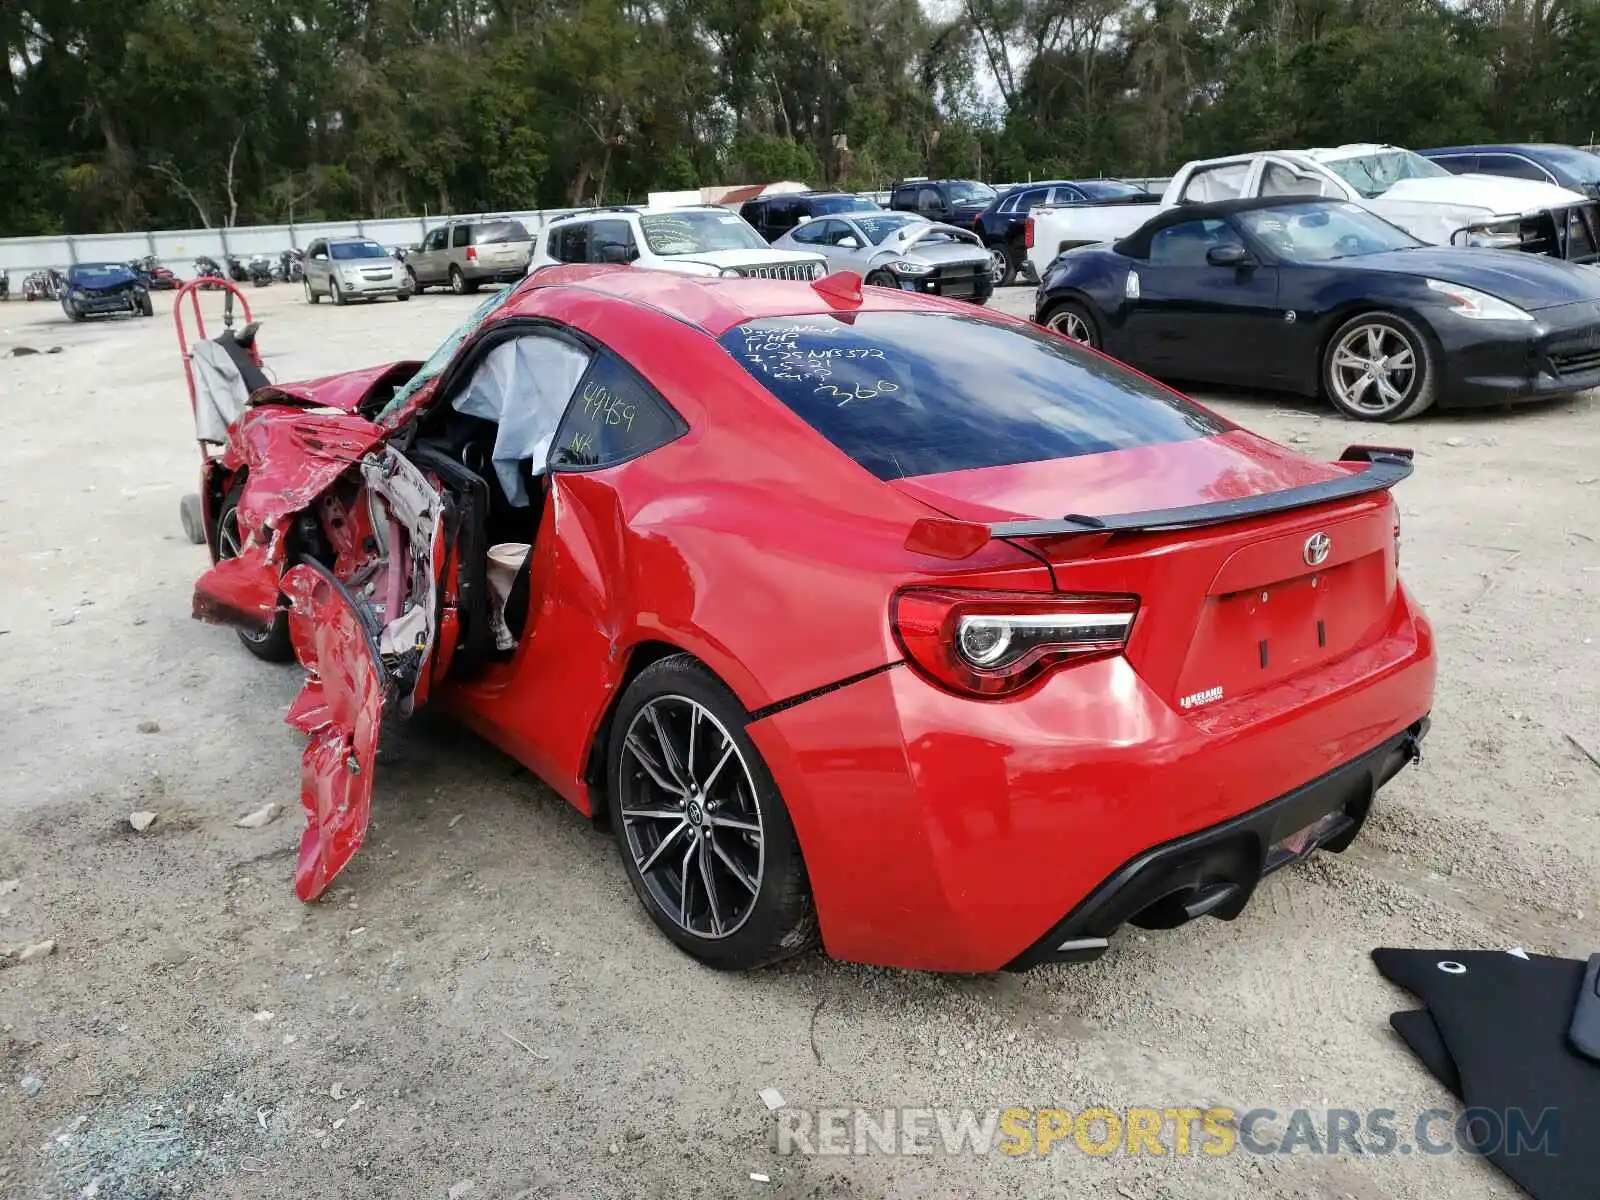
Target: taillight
point(991, 644)
point(472, 254)
point(1027, 233)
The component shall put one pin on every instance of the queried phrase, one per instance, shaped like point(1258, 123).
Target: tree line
point(129, 114)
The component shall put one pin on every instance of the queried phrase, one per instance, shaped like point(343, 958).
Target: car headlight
point(1475, 305)
point(732, 273)
point(819, 270)
point(904, 266)
point(1501, 235)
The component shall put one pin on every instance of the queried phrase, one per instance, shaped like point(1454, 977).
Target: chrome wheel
point(999, 267)
point(229, 545)
point(1070, 323)
point(690, 818)
point(1373, 368)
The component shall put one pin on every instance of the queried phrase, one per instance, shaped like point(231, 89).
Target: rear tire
point(416, 284)
point(402, 296)
point(147, 307)
point(705, 838)
point(1378, 366)
point(273, 646)
point(1073, 320)
point(1002, 266)
point(459, 283)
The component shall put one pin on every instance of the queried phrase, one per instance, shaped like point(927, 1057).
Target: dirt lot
point(480, 998)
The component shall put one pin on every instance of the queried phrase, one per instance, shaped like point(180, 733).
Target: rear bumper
point(1215, 872)
point(942, 833)
point(505, 274)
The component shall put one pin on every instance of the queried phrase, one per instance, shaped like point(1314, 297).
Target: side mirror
point(319, 258)
point(803, 219)
point(615, 252)
point(1231, 255)
point(848, 243)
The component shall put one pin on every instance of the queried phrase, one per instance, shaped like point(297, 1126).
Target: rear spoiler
point(1386, 466)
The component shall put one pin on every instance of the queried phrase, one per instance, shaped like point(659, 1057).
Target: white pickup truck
point(1402, 187)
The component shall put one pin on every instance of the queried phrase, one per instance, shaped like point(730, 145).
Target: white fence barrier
point(178, 248)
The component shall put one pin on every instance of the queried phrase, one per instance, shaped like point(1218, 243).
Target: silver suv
point(462, 255)
point(353, 268)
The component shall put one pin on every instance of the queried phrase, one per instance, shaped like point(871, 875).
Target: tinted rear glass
point(826, 205)
point(923, 393)
point(494, 232)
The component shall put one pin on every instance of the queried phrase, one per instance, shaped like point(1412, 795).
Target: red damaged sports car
point(854, 614)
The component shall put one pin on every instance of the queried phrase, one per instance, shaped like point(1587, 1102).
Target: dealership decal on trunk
point(1196, 699)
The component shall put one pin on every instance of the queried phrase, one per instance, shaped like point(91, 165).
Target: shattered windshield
point(100, 274)
point(878, 228)
point(440, 358)
point(1374, 174)
point(698, 231)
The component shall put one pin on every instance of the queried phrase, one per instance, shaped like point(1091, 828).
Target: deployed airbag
point(523, 386)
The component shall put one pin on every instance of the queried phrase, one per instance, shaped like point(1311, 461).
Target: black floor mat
point(1495, 1033)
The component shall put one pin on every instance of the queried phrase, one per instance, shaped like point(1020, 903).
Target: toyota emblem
point(1318, 547)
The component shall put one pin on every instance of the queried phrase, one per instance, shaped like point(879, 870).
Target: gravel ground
point(480, 1008)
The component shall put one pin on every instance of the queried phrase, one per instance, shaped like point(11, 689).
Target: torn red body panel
point(240, 591)
point(340, 709)
point(292, 458)
point(347, 392)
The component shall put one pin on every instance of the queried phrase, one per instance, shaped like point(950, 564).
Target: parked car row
point(1414, 191)
point(1357, 272)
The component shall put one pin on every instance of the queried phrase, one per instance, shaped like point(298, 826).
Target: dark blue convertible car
point(103, 290)
point(1323, 296)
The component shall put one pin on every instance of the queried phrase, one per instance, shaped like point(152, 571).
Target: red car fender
point(347, 391)
point(292, 457)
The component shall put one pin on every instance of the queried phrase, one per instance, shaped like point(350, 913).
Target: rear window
point(922, 393)
point(825, 206)
point(492, 233)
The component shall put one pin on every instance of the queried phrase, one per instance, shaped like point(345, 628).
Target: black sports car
point(105, 289)
point(1314, 295)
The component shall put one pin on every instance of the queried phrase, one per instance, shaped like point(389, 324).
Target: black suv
point(953, 201)
point(1003, 225)
point(774, 216)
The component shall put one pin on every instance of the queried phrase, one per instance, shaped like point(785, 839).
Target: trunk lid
point(1225, 610)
